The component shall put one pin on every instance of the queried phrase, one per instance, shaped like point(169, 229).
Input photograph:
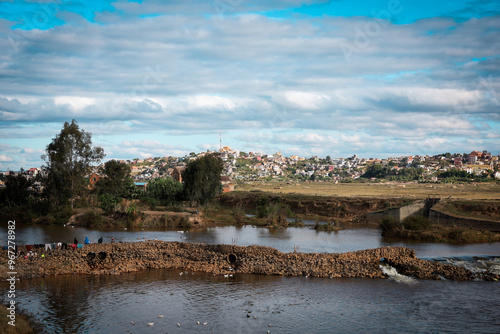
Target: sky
point(165, 78)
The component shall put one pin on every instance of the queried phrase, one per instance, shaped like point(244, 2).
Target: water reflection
point(286, 240)
point(107, 304)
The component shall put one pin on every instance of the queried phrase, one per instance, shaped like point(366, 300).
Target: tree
point(17, 190)
point(117, 179)
point(166, 190)
point(377, 171)
point(21, 200)
point(201, 178)
point(69, 157)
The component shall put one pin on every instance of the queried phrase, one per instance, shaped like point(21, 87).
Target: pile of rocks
point(116, 258)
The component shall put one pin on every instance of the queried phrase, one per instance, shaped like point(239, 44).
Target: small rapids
point(395, 276)
point(476, 264)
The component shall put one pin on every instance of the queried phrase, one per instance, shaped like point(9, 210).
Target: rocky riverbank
point(117, 258)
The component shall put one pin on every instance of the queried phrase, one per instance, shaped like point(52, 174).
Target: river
point(254, 303)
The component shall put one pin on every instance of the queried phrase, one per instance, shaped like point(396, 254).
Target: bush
point(275, 213)
point(184, 222)
point(175, 208)
point(63, 215)
point(263, 207)
point(108, 202)
point(325, 227)
point(296, 223)
point(388, 225)
point(175, 221)
point(151, 202)
point(93, 219)
point(417, 223)
point(238, 215)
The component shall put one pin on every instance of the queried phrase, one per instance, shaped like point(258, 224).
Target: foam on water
point(395, 276)
point(476, 264)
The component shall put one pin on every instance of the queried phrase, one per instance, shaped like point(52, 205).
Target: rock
point(130, 257)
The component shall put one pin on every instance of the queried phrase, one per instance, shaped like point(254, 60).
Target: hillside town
point(252, 166)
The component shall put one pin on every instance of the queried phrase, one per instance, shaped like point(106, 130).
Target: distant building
point(223, 155)
point(278, 156)
point(472, 159)
point(141, 185)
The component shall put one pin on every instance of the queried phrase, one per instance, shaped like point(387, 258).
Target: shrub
point(388, 225)
point(175, 208)
point(62, 215)
point(417, 223)
point(92, 219)
point(238, 215)
point(184, 222)
point(151, 202)
point(132, 209)
point(108, 202)
point(175, 221)
point(275, 213)
point(325, 227)
point(296, 223)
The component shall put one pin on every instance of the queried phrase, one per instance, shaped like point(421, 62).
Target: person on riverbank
point(75, 241)
point(87, 241)
point(112, 240)
point(100, 240)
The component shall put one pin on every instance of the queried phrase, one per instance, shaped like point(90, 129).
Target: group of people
point(87, 241)
point(31, 249)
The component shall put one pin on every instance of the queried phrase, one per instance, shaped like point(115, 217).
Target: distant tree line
point(63, 183)
point(462, 175)
point(382, 172)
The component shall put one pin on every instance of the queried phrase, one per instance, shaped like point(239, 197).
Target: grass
point(423, 229)
point(485, 209)
point(489, 190)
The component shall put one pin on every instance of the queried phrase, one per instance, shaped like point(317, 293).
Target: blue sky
point(157, 78)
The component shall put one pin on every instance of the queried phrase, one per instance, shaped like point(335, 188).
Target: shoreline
point(221, 259)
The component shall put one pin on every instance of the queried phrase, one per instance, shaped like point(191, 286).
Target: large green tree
point(21, 200)
point(202, 179)
point(17, 191)
point(68, 160)
point(116, 179)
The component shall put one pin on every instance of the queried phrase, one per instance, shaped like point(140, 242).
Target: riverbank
point(117, 258)
point(22, 323)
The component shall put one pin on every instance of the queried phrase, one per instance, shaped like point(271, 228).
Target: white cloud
point(270, 82)
point(5, 158)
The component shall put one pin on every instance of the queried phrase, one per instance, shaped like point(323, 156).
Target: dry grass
point(474, 191)
point(485, 209)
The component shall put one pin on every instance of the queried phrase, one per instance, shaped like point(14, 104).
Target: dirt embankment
point(324, 207)
point(148, 219)
point(484, 210)
point(19, 324)
point(109, 259)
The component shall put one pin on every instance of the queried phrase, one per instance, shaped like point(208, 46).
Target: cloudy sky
point(375, 78)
